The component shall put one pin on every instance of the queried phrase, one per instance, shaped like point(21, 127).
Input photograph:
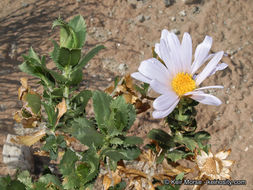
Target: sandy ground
point(129, 29)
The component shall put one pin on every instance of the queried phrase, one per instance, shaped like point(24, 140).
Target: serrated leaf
point(131, 117)
point(119, 115)
point(116, 141)
point(90, 169)
point(202, 136)
point(101, 104)
point(85, 132)
point(159, 135)
point(175, 155)
point(25, 178)
point(52, 115)
point(55, 55)
point(88, 57)
point(50, 179)
point(33, 55)
point(79, 26)
point(122, 154)
point(82, 98)
point(67, 164)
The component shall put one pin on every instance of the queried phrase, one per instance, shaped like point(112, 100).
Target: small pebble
point(141, 18)
point(160, 12)
point(195, 10)
point(147, 17)
point(175, 31)
point(246, 149)
point(191, 1)
point(182, 13)
point(167, 3)
point(227, 102)
point(173, 19)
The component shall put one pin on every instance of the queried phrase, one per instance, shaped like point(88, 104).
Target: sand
point(129, 29)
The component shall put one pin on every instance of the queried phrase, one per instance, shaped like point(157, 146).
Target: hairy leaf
point(101, 104)
point(85, 132)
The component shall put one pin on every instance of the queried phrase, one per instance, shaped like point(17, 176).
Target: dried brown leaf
point(41, 153)
point(62, 108)
point(29, 140)
point(106, 182)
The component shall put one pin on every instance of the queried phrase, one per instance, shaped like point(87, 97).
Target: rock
point(173, 19)
point(141, 18)
point(167, 3)
point(175, 31)
point(147, 17)
point(191, 1)
point(122, 67)
point(195, 10)
point(182, 13)
point(17, 156)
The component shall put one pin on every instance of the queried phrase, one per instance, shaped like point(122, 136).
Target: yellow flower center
point(183, 83)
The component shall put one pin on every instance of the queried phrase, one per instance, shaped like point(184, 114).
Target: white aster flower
point(177, 77)
point(214, 166)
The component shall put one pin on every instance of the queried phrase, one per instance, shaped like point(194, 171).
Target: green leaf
point(116, 141)
point(122, 154)
point(175, 155)
point(33, 55)
point(57, 76)
point(30, 67)
point(34, 102)
point(89, 56)
point(57, 93)
point(82, 98)
point(79, 26)
point(55, 55)
point(187, 141)
point(72, 34)
point(86, 133)
point(131, 117)
point(132, 140)
point(25, 178)
point(50, 179)
point(52, 115)
point(69, 57)
point(119, 116)
point(121, 186)
point(75, 77)
point(90, 169)
point(68, 38)
point(202, 136)
point(159, 135)
point(67, 169)
point(52, 144)
point(101, 104)
point(180, 176)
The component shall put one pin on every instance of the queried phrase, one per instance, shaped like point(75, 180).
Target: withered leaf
point(106, 182)
point(62, 107)
point(29, 140)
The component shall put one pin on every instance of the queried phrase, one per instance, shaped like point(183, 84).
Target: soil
point(129, 29)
